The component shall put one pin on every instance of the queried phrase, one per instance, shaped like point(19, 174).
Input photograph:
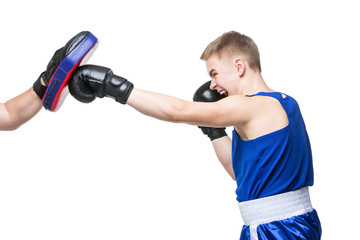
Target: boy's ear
point(240, 66)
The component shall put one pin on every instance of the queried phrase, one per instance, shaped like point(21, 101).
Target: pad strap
point(38, 88)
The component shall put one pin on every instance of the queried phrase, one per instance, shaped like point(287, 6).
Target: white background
point(104, 171)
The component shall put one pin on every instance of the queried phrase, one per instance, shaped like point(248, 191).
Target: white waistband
point(275, 208)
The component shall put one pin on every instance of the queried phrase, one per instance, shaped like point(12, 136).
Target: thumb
point(79, 90)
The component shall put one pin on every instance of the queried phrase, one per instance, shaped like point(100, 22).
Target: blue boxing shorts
point(284, 216)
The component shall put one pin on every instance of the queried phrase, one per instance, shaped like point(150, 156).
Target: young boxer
point(269, 155)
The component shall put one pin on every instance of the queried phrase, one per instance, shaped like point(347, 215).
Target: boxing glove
point(205, 94)
point(90, 81)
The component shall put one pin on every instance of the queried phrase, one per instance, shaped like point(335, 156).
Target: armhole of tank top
point(281, 99)
point(282, 102)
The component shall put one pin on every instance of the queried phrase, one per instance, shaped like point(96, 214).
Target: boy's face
point(223, 73)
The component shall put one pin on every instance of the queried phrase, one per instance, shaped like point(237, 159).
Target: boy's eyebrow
point(211, 72)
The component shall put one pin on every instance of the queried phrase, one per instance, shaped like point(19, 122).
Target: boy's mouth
point(223, 92)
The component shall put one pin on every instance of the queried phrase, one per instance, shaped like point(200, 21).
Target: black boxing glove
point(90, 81)
point(205, 94)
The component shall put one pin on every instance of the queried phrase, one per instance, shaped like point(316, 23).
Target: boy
point(269, 155)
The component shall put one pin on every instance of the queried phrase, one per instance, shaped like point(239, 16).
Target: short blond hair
point(233, 43)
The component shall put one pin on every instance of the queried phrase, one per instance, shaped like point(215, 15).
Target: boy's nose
point(213, 84)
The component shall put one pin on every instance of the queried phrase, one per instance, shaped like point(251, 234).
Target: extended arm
point(90, 81)
point(163, 107)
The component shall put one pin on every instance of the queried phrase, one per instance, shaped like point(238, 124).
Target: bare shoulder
point(266, 115)
point(235, 110)
point(244, 113)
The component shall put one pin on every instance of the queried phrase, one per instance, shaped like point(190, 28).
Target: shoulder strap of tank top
point(277, 95)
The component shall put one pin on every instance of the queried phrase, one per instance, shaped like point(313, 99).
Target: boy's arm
point(19, 110)
point(91, 81)
point(222, 147)
point(230, 111)
point(162, 107)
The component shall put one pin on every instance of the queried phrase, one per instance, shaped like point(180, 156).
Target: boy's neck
point(253, 83)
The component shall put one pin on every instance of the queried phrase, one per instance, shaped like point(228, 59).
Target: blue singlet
point(276, 163)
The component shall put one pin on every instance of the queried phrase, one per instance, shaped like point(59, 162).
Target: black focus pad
point(205, 94)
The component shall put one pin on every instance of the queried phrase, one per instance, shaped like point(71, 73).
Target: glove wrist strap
point(120, 89)
point(216, 133)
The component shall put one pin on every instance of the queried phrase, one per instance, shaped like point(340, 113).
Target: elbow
point(175, 112)
point(9, 124)
point(173, 116)
point(9, 121)
point(10, 127)
point(231, 173)
point(13, 125)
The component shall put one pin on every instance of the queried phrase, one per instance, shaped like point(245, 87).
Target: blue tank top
point(277, 162)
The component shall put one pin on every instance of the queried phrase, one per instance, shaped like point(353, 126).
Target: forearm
point(223, 148)
point(19, 110)
point(157, 105)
